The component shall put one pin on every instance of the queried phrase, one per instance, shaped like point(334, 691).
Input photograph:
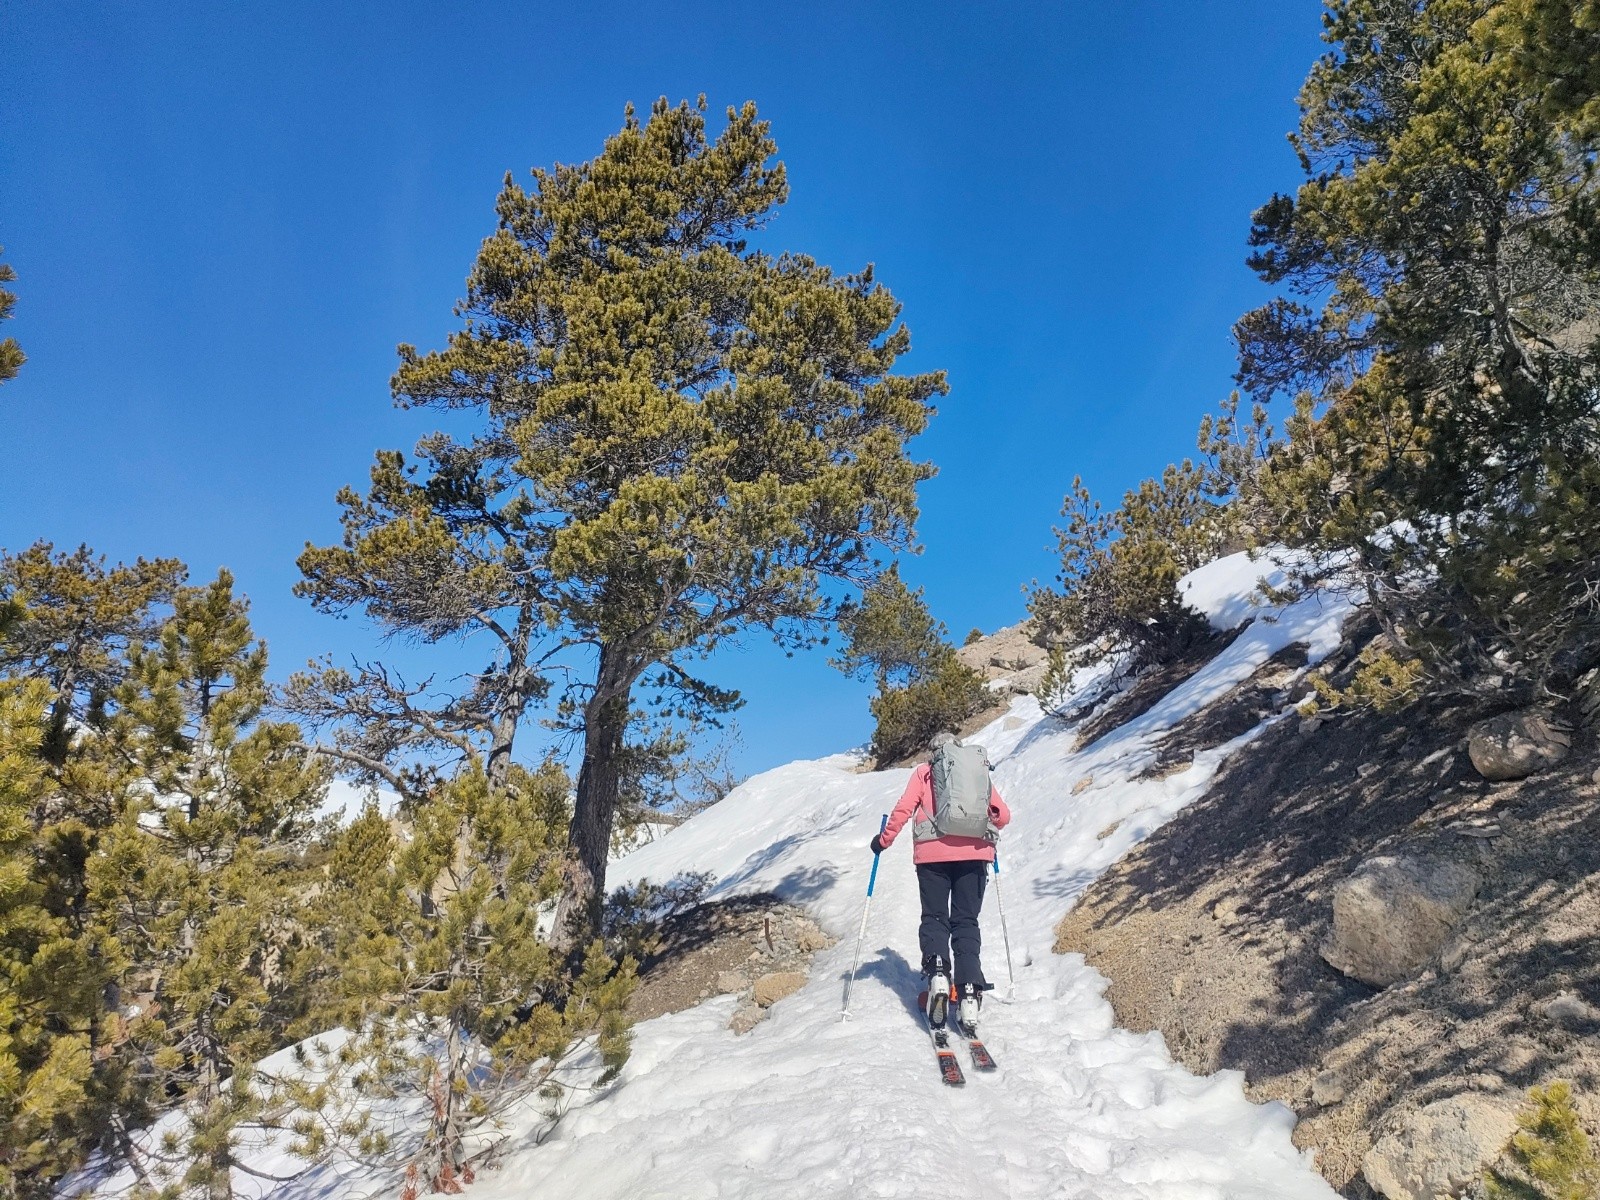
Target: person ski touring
point(956, 814)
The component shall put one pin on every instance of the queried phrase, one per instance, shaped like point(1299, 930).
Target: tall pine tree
point(80, 623)
point(1438, 338)
point(48, 981)
point(680, 438)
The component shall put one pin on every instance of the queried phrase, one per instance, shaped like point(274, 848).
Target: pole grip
point(997, 862)
point(872, 881)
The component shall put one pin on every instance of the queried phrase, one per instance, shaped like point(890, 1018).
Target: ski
point(949, 1068)
point(935, 1014)
point(982, 1060)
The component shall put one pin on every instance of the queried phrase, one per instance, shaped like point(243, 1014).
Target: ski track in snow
point(809, 1105)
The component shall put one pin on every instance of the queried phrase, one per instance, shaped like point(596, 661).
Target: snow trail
point(808, 1105)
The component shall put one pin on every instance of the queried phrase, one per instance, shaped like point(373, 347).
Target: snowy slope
point(808, 1105)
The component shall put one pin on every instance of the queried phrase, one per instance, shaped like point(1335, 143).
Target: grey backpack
point(961, 790)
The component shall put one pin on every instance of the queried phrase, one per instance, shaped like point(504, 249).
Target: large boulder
point(1394, 913)
point(1440, 1149)
point(1515, 745)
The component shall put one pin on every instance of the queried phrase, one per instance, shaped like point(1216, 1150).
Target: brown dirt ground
point(1209, 930)
point(748, 935)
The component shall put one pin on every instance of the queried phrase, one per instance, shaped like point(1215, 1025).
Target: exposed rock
point(717, 948)
point(1569, 1008)
point(1083, 785)
point(1328, 1088)
point(1455, 953)
point(808, 939)
point(1394, 914)
point(1440, 1149)
point(746, 1017)
point(1589, 698)
point(774, 987)
point(1227, 910)
point(1026, 681)
point(1004, 651)
point(1515, 745)
point(1011, 724)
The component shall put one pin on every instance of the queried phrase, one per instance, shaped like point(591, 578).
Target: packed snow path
point(807, 1105)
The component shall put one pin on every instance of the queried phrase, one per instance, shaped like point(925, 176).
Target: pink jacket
point(918, 799)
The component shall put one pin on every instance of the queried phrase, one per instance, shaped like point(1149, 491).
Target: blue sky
point(224, 217)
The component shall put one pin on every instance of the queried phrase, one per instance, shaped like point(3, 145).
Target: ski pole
point(872, 881)
point(1005, 934)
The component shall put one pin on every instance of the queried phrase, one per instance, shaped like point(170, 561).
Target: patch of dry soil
point(1209, 930)
point(701, 952)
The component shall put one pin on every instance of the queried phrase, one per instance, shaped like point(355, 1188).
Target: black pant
point(952, 897)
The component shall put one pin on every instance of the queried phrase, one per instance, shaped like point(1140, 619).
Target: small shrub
point(907, 717)
point(975, 636)
point(1550, 1156)
point(1117, 593)
point(1382, 681)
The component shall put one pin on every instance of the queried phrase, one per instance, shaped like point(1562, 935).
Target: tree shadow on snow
point(806, 883)
point(1064, 884)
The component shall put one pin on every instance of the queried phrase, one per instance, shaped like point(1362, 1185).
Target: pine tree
point(1443, 269)
point(434, 952)
point(1117, 597)
point(891, 638)
point(680, 438)
point(11, 355)
point(45, 1007)
point(1549, 1157)
point(200, 883)
point(80, 622)
point(68, 626)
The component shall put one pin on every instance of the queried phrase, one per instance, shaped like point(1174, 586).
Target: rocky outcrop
point(1007, 658)
point(1515, 745)
point(1440, 1149)
point(1392, 915)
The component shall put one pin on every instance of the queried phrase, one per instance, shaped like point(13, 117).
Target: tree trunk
point(442, 1159)
point(503, 734)
point(57, 741)
point(216, 1124)
point(521, 679)
point(589, 838)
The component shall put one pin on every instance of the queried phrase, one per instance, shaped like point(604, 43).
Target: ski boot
point(967, 1009)
point(934, 999)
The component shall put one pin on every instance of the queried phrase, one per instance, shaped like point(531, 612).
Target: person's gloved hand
point(877, 843)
